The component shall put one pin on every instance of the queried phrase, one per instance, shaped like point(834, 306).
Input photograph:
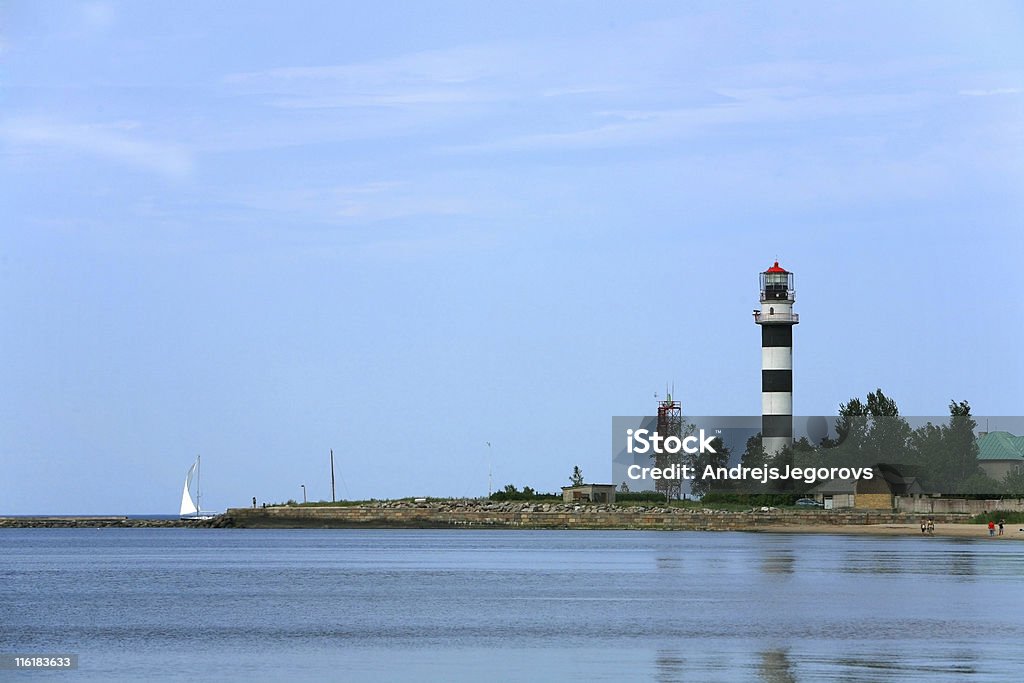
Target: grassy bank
point(996, 515)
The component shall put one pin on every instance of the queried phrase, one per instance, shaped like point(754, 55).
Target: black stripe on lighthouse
point(776, 335)
point(777, 380)
point(777, 425)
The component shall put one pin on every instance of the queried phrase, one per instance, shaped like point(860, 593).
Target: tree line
point(943, 458)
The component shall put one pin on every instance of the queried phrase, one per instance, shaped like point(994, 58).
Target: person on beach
point(924, 525)
point(1001, 523)
point(991, 528)
point(931, 526)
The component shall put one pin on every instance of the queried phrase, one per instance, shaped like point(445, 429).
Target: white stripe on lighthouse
point(776, 403)
point(777, 358)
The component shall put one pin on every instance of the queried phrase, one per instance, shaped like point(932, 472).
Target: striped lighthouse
point(776, 319)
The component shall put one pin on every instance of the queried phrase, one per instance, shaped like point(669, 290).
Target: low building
point(589, 493)
point(1000, 453)
point(834, 493)
point(877, 493)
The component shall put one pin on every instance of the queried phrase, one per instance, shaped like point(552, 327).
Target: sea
point(179, 604)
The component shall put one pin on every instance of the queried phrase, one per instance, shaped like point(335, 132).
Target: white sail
point(188, 506)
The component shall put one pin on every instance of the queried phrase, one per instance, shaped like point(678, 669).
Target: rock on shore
point(547, 515)
point(70, 522)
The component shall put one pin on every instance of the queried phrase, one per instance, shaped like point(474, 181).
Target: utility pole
point(332, 475)
point(489, 487)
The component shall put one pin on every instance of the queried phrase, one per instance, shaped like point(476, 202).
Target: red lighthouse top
point(776, 269)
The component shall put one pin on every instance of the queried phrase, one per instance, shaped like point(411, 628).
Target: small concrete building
point(1000, 453)
point(877, 493)
point(834, 493)
point(589, 493)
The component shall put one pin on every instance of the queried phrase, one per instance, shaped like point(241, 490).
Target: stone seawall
point(555, 517)
point(967, 506)
point(473, 515)
point(67, 522)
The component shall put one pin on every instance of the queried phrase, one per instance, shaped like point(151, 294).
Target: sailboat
point(189, 506)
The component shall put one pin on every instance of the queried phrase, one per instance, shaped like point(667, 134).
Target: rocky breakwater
point(68, 522)
point(540, 515)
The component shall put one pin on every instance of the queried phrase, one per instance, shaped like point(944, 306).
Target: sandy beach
point(958, 530)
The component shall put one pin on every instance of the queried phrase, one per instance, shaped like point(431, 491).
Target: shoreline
point(481, 515)
point(946, 530)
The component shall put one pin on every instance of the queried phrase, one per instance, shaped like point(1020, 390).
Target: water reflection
point(669, 667)
point(916, 559)
point(776, 667)
point(672, 562)
point(869, 660)
point(778, 561)
point(909, 665)
point(771, 666)
point(962, 563)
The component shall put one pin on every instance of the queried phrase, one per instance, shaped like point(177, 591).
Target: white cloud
point(380, 99)
point(739, 108)
point(108, 141)
point(582, 90)
point(454, 65)
point(991, 92)
point(422, 78)
point(360, 203)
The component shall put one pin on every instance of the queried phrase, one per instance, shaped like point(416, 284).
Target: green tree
point(963, 443)
point(852, 414)
point(754, 456)
point(980, 484)
point(1013, 484)
point(802, 453)
point(948, 454)
point(880, 405)
point(782, 458)
point(869, 432)
point(700, 461)
point(851, 422)
point(753, 453)
point(577, 476)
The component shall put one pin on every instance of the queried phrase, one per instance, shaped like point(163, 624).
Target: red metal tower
point(670, 423)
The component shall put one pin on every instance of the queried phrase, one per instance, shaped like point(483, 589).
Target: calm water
point(354, 605)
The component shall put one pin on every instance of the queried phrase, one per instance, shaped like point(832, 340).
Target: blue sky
point(257, 231)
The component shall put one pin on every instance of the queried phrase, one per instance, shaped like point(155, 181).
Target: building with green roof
point(1000, 453)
